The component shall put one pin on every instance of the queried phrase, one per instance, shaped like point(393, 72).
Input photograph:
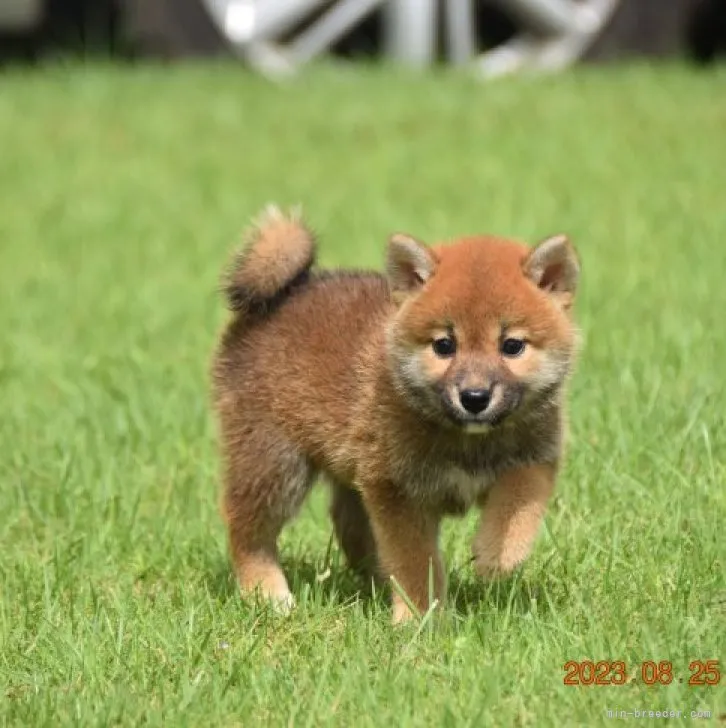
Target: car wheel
point(169, 28)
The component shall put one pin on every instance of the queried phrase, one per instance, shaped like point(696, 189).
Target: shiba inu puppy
point(416, 394)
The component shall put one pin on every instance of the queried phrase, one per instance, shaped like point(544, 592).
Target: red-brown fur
point(336, 374)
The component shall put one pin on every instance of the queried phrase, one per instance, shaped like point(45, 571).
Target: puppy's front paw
point(401, 611)
point(283, 603)
point(496, 560)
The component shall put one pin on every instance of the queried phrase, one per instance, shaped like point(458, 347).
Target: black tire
point(646, 28)
point(169, 29)
point(81, 26)
point(707, 33)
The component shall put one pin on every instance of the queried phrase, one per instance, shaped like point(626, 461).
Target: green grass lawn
point(121, 193)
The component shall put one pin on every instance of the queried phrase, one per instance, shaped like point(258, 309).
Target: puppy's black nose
point(475, 400)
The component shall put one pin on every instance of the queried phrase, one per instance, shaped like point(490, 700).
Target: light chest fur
point(452, 474)
point(454, 488)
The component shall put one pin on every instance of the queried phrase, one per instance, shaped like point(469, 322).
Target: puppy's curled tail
point(276, 256)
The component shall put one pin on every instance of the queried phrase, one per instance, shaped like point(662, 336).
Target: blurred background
point(279, 36)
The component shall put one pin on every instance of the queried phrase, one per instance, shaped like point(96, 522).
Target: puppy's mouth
point(504, 403)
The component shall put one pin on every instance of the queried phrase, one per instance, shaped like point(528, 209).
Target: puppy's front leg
point(513, 511)
point(407, 543)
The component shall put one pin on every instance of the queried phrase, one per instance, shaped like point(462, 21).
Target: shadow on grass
point(334, 585)
point(220, 580)
point(339, 585)
point(469, 595)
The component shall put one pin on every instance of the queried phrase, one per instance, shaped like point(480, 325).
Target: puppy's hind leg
point(353, 530)
point(266, 482)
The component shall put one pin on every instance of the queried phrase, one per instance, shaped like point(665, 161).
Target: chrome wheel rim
point(552, 34)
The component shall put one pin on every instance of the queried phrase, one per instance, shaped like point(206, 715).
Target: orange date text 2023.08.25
point(615, 672)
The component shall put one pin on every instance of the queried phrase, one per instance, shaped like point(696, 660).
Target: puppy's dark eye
point(512, 347)
point(444, 346)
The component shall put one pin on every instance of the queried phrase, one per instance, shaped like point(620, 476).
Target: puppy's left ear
point(554, 267)
point(409, 265)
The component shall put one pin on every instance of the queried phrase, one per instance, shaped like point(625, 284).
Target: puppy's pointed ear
point(409, 265)
point(553, 266)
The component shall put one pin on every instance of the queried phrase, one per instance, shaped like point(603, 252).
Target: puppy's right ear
point(410, 264)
